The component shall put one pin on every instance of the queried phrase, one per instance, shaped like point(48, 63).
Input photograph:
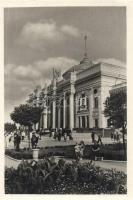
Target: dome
point(84, 64)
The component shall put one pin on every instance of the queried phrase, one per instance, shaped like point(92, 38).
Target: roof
point(84, 64)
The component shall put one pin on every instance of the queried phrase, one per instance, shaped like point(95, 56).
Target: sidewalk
point(49, 141)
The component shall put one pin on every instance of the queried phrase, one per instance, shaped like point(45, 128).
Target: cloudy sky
point(38, 39)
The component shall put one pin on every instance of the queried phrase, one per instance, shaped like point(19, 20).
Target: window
point(96, 102)
point(79, 122)
point(79, 104)
point(83, 121)
point(95, 91)
point(83, 95)
point(87, 121)
point(108, 122)
point(82, 103)
point(96, 123)
point(87, 102)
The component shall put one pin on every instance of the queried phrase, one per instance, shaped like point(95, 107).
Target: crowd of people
point(96, 144)
point(116, 136)
point(34, 135)
point(60, 133)
point(18, 135)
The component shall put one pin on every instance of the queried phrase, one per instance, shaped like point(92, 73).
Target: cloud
point(21, 80)
point(70, 30)
point(26, 72)
point(111, 61)
point(43, 33)
point(59, 63)
point(46, 31)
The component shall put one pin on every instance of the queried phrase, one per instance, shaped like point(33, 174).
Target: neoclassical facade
point(76, 99)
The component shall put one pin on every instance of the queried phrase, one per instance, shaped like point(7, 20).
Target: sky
point(39, 38)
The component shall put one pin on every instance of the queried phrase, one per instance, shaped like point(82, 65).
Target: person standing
point(112, 135)
point(7, 139)
point(23, 135)
point(82, 147)
point(77, 151)
point(59, 134)
point(95, 150)
point(34, 140)
point(99, 139)
point(93, 136)
point(15, 139)
point(18, 140)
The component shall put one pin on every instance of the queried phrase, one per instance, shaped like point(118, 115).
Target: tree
point(116, 111)
point(9, 127)
point(26, 115)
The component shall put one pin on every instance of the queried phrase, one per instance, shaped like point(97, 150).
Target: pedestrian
point(31, 132)
point(93, 136)
point(40, 133)
point(112, 135)
point(99, 139)
point(7, 139)
point(65, 135)
point(59, 134)
point(15, 136)
point(17, 141)
point(23, 135)
point(70, 134)
point(117, 136)
point(77, 151)
point(82, 147)
point(34, 140)
point(95, 150)
point(50, 132)
point(53, 132)
point(115, 132)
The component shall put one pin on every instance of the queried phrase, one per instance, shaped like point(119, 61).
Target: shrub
point(48, 177)
point(108, 151)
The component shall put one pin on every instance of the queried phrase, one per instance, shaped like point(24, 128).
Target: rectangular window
point(83, 121)
point(108, 123)
point(87, 102)
point(82, 103)
point(96, 102)
point(96, 123)
point(87, 121)
point(79, 122)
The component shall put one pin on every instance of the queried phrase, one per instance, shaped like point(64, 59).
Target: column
point(45, 118)
point(72, 92)
point(59, 117)
point(71, 110)
point(86, 121)
point(64, 111)
point(37, 126)
point(54, 114)
point(91, 120)
point(103, 94)
point(80, 121)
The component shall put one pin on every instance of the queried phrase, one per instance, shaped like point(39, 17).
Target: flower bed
point(48, 177)
point(108, 151)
